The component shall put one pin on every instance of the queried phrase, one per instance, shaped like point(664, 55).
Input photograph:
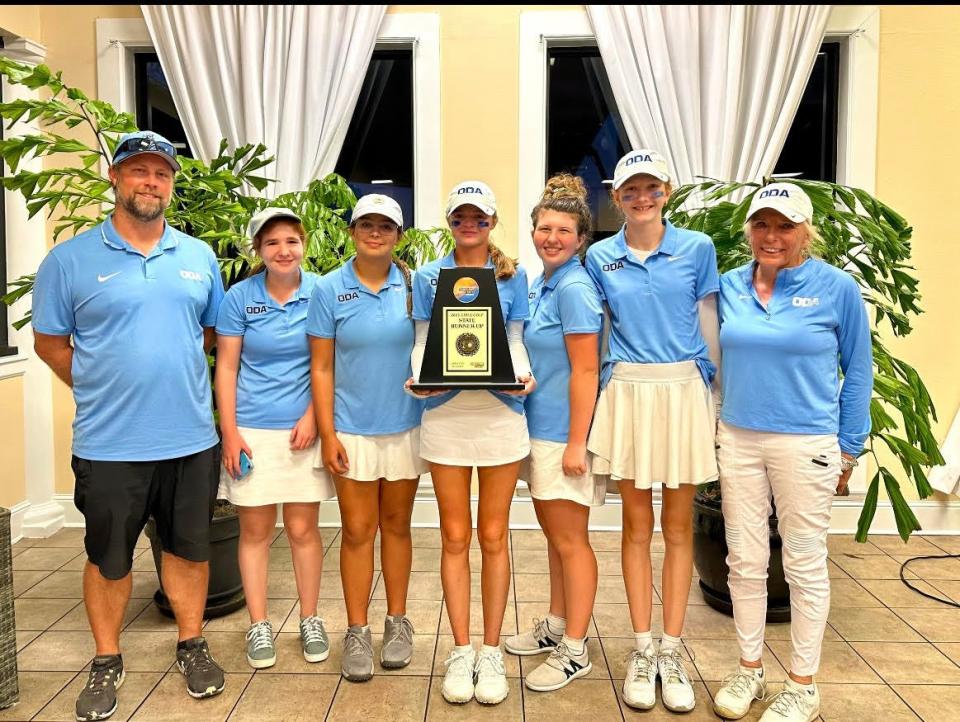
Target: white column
point(26, 247)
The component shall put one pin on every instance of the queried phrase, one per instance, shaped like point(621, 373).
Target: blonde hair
point(814, 238)
point(565, 193)
point(258, 267)
point(504, 267)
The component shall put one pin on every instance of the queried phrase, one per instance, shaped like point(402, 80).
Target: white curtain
point(713, 88)
point(287, 76)
point(946, 478)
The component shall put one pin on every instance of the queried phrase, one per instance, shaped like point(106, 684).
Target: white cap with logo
point(640, 161)
point(473, 193)
point(268, 214)
point(786, 198)
point(378, 203)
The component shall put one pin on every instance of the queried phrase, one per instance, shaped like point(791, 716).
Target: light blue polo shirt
point(273, 384)
point(653, 304)
point(373, 341)
point(140, 376)
point(565, 304)
point(514, 306)
point(780, 363)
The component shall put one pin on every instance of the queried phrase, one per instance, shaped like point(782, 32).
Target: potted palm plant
point(211, 201)
point(872, 242)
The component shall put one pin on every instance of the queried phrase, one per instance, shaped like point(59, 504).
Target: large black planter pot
point(710, 559)
point(225, 590)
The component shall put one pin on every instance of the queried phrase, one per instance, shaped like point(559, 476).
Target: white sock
point(365, 628)
point(644, 640)
point(556, 625)
point(576, 646)
point(463, 648)
point(668, 643)
point(489, 649)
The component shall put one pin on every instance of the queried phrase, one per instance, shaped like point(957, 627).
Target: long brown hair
point(565, 193)
point(504, 266)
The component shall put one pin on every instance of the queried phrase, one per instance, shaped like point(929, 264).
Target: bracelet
point(847, 464)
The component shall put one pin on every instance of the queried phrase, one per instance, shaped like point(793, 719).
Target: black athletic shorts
point(117, 497)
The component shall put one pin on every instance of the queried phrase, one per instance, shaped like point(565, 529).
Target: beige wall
point(21, 20)
point(13, 483)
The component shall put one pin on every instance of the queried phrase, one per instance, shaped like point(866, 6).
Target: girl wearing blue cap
point(361, 337)
point(266, 416)
point(562, 338)
point(467, 429)
point(655, 417)
point(786, 318)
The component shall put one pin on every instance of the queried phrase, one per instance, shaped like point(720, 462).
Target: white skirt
point(655, 423)
point(279, 475)
point(543, 470)
point(391, 457)
point(474, 428)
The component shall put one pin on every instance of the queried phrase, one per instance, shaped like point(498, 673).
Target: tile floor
point(889, 654)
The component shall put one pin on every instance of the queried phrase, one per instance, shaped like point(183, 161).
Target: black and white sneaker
point(204, 675)
point(559, 669)
point(98, 700)
point(539, 640)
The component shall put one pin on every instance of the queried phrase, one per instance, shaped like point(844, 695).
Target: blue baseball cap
point(145, 141)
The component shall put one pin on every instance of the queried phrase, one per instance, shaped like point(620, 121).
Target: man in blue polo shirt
point(123, 313)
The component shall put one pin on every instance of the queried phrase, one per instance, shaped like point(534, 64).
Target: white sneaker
point(538, 640)
point(794, 703)
point(737, 692)
point(640, 681)
point(458, 681)
point(559, 669)
point(675, 687)
point(491, 686)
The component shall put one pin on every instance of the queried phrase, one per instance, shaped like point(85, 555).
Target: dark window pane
point(377, 154)
point(584, 133)
point(155, 108)
point(811, 146)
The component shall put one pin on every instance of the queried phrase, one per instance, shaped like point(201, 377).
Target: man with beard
point(123, 313)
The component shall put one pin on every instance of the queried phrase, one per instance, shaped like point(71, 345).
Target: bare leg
point(396, 544)
point(359, 514)
point(452, 487)
point(257, 529)
point(105, 600)
point(558, 606)
point(497, 484)
point(306, 548)
point(676, 520)
point(185, 584)
point(566, 528)
point(635, 552)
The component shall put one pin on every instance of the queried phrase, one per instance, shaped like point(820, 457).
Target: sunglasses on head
point(137, 145)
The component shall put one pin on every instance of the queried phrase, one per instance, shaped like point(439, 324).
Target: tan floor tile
point(24, 543)
point(868, 566)
point(239, 621)
point(850, 593)
point(136, 687)
point(66, 537)
point(862, 702)
point(608, 564)
point(950, 543)
point(839, 662)
point(228, 648)
point(531, 587)
point(290, 656)
point(934, 703)
point(943, 588)
point(24, 638)
point(282, 584)
point(23, 581)
point(143, 616)
point(716, 658)
point(331, 611)
point(57, 652)
point(528, 539)
point(932, 569)
point(508, 629)
point(707, 623)
point(169, 702)
point(838, 544)
point(610, 590)
point(703, 710)
point(872, 625)
point(511, 662)
point(899, 663)
point(609, 541)
point(834, 571)
point(423, 585)
point(41, 613)
point(293, 697)
point(426, 559)
point(530, 561)
point(613, 620)
point(599, 668)
point(937, 625)
point(894, 593)
point(893, 544)
point(393, 698)
point(571, 702)
point(144, 562)
point(45, 558)
point(427, 537)
point(36, 689)
point(150, 651)
point(511, 709)
point(951, 649)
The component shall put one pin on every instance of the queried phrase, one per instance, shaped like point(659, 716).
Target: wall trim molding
point(17, 512)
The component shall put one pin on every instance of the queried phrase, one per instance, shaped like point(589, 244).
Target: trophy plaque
point(467, 338)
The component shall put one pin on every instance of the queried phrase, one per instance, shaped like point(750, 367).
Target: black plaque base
point(467, 386)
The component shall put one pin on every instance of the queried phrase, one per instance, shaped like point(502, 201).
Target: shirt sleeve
point(320, 320)
point(214, 297)
point(423, 294)
point(856, 362)
point(520, 305)
point(591, 265)
point(580, 309)
point(708, 278)
point(231, 320)
point(52, 299)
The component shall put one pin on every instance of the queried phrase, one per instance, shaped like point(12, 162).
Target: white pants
point(801, 471)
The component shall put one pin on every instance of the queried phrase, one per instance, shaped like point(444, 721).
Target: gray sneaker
point(261, 652)
point(313, 639)
point(397, 642)
point(357, 662)
point(98, 700)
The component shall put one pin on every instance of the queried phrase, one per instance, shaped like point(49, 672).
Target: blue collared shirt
point(140, 376)
point(373, 340)
point(513, 305)
point(780, 363)
point(567, 303)
point(273, 383)
point(653, 304)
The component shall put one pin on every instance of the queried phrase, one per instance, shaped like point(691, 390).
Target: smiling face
point(142, 186)
point(280, 247)
point(470, 226)
point(776, 241)
point(374, 236)
point(641, 199)
point(556, 239)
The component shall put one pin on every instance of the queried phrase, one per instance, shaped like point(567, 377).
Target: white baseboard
point(17, 512)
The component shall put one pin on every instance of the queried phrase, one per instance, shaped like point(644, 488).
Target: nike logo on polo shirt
point(744, 295)
point(671, 259)
point(102, 279)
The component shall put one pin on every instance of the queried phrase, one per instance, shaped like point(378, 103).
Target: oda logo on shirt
point(254, 310)
point(352, 295)
point(612, 266)
point(190, 275)
point(803, 302)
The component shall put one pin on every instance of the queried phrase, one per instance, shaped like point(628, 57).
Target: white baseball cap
point(268, 214)
point(640, 161)
point(785, 198)
point(377, 203)
point(473, 193)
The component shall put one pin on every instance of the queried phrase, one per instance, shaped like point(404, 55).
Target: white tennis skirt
point(655, 423)
point(279, 475)
point(391, 457)
point(474, 428)
point(543, 470)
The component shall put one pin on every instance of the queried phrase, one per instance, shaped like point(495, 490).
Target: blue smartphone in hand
point(246, 466)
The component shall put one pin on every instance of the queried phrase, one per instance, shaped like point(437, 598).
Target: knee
point(258, 534)
point(493, 539)
point(677, 531)
point(395, 523)
point(456, 540)
point(300, 533)
point(359, 532)
point(805, 555)
point(637, 533)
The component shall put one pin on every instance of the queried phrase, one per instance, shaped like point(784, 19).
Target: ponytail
point(504, 266)
point(408, 282)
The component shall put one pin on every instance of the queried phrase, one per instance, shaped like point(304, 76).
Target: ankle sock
point(577, 646)
point(668, 643)
point(556, 625)
point(489, 649)
point(643, 639)
point(463, 647)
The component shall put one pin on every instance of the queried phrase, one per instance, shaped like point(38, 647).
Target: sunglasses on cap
point(140, 145)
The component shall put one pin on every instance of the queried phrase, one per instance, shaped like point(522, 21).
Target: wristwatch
point(847, 464)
